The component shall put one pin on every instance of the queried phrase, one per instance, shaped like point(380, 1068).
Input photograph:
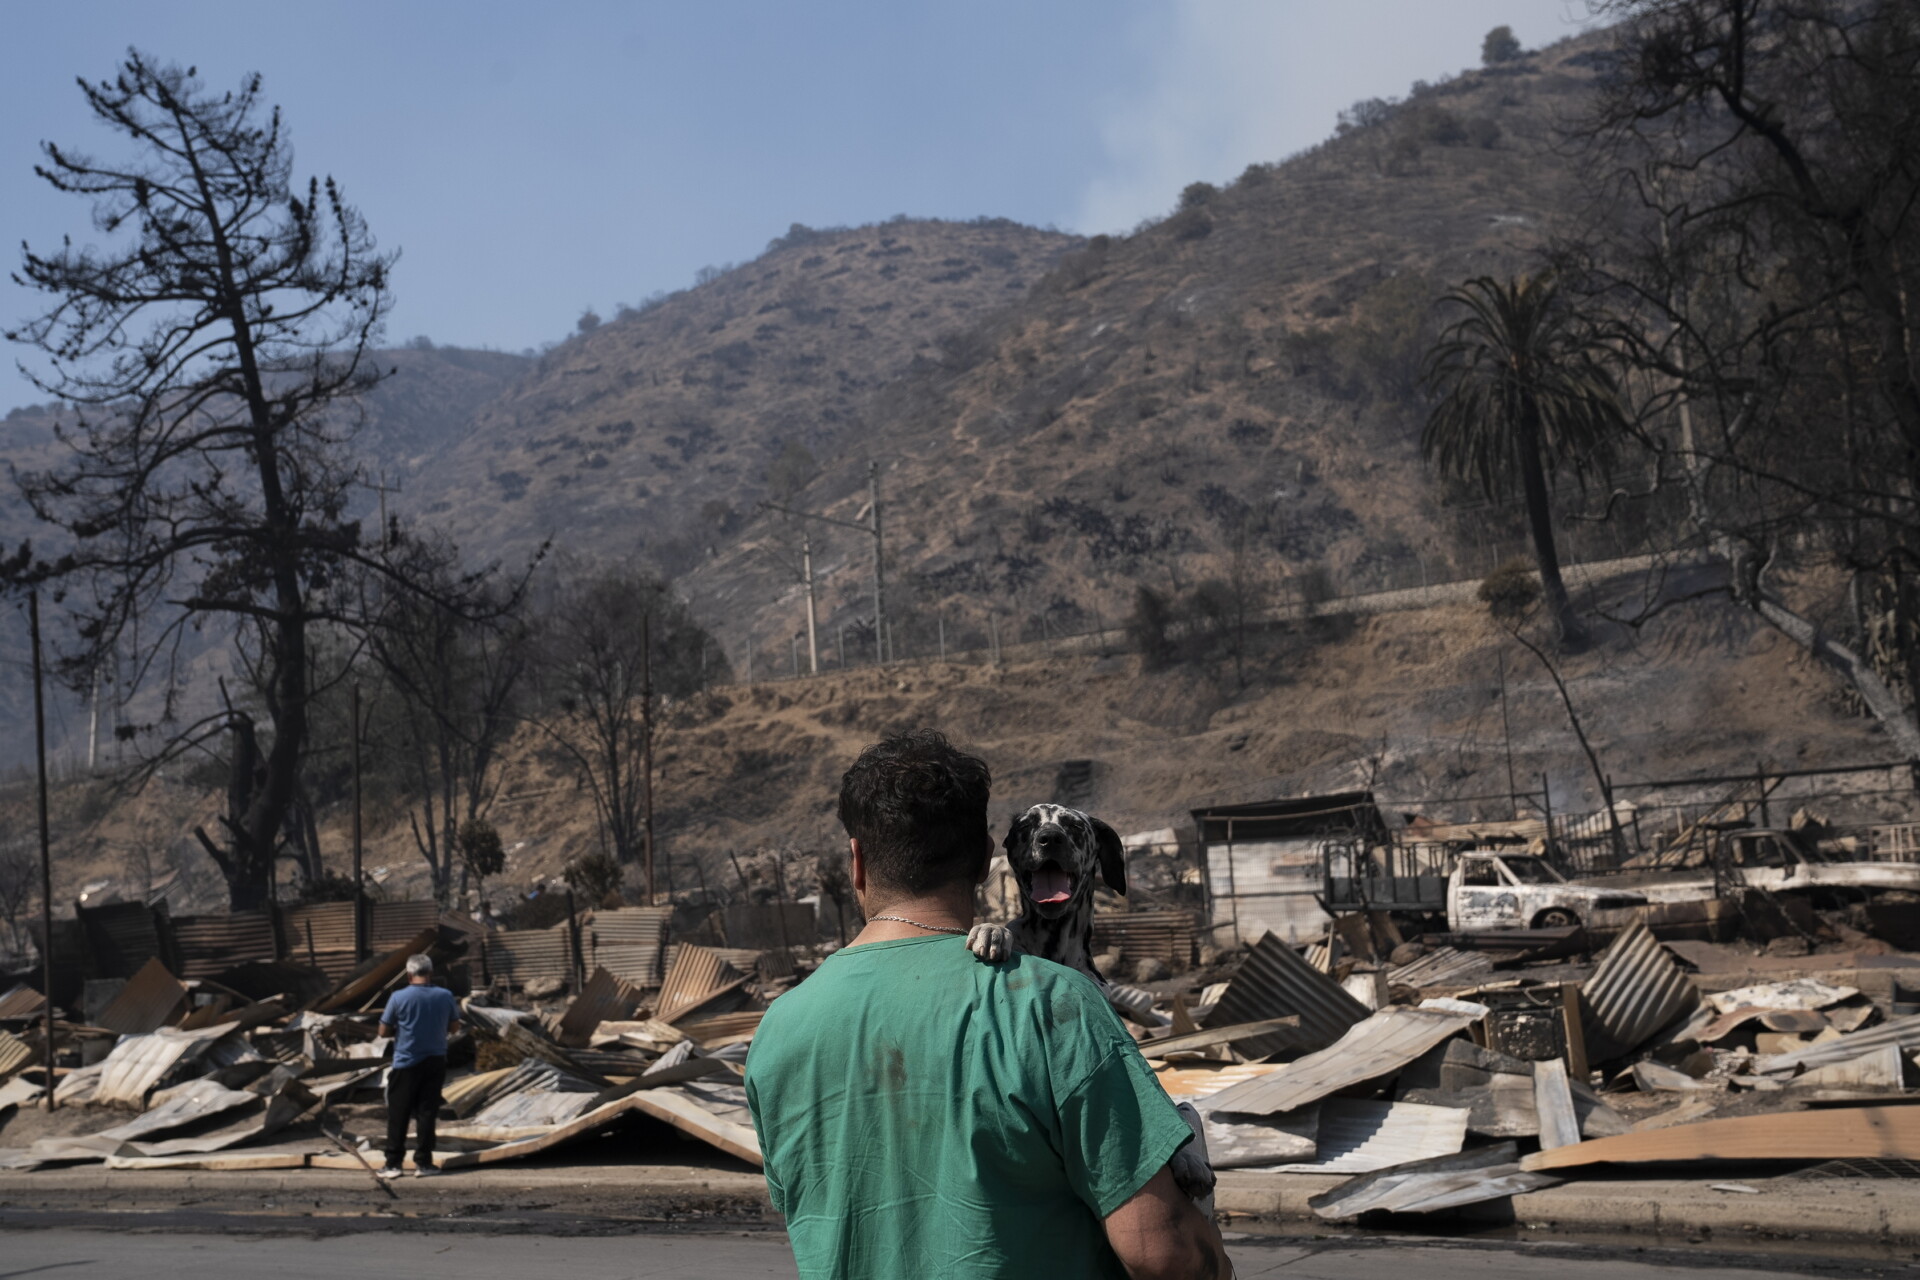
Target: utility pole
point(813, 640)
point(646, 742)
point(1506, 734)
point(46, 842)
point(93, 723)
point(879, 566)
point(882, 639)
point(384, 489)
point(359, 893)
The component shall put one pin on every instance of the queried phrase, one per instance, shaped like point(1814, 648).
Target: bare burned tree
point(213, 347)
point(615, 642)
point(457, 673)
point(1760, 242)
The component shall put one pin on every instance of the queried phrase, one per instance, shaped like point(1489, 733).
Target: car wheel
point(1555, 918)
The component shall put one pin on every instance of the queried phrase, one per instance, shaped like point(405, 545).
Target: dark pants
point(413, 1093)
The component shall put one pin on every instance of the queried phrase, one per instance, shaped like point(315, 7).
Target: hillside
point(655, 433)
point(1236, 381)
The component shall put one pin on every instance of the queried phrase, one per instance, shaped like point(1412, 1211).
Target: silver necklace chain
point(930, 928)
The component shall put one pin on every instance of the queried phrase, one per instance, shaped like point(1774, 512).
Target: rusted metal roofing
point(123, 936)
point(639, 965)
point(1904, 1032)
point(369, 984)
point(210, 945)
point(698, 975)
point(1274, 981)
point(628, 942)
point(716, 1030)
point(744, 959)
point(15, 1053)
point(146, 1003)
point(1161, 935)
point(758, 926)
point(1636, 989)
point(605, 998)
point(1442, 967)
point(322, 934)
point(21, 1002)
point(1379, 1046)
point(630, 926)
point(529, 955)
point(393, 924)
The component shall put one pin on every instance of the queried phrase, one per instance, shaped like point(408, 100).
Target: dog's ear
point(1112, 855)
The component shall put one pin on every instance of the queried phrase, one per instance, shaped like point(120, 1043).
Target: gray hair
point(420, 966)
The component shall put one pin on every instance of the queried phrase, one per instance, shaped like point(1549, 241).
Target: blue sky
point(529, 161)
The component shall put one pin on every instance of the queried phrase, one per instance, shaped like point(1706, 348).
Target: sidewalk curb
point(1855, 1210)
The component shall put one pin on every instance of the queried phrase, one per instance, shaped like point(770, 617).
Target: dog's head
point(1054, 852)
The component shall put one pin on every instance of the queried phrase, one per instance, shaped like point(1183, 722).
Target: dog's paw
point(990, 942)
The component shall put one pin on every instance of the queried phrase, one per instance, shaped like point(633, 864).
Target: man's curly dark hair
point(918, 806)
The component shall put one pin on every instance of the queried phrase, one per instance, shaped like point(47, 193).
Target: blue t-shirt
point(420, 1016)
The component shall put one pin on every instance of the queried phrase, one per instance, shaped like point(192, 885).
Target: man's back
point(922, 1113)
point(419, 1015)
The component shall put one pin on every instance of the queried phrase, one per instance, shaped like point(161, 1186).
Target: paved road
point(56, 1253)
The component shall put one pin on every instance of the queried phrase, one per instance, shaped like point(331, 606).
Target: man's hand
point(1159, 1235)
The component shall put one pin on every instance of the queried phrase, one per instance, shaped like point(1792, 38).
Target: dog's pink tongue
point(1051, 884)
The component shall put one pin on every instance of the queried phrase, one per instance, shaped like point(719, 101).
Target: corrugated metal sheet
point(1274, 981)
point(1486, 1173)
point(1185, 1082)
point(744, 959)
point(697, 975)
point(605, 998)
point(723, 1028)
point(1904, 1032)
point(1636, 989)
point(1159, 935)
point(21, 1002)
point(322, 934)
point(123, 936)
point(1442, 967)
point(759, 926)
point(630, 925)
point(529, 955)
point(210, 945)
point(189, 1104)
point(394, 924)
point(146, 1003)
point(138, 1064)
point(465, 1094)
point(1380, 1046)
point(15, 1053)
point(1358, 1136)
point(524, 1114)
point(639, 965)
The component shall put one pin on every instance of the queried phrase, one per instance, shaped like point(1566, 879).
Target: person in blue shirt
point(419, 1017)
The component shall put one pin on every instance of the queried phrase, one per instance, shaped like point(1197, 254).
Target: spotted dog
point(1054, 853)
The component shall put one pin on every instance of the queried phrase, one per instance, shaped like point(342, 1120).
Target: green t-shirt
point(924, 1114)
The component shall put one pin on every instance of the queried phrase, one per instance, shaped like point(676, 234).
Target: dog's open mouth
point(1052, 885)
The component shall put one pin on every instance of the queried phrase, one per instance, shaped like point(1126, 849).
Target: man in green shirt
point(924, 1114)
